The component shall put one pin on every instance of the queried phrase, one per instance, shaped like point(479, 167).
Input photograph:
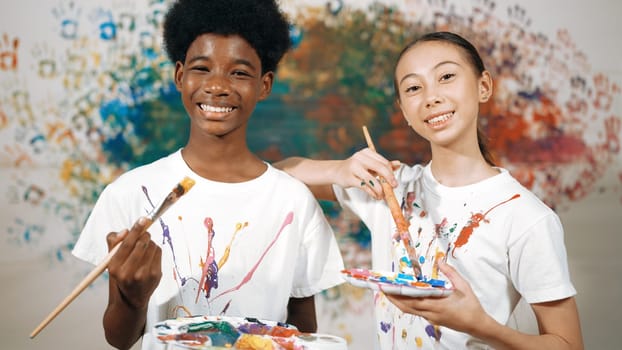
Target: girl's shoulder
point(409, 173)
point(525, 205)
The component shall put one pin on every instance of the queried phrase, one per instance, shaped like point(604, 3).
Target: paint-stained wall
point(86, 93)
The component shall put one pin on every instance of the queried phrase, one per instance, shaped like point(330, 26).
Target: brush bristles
point(187, 184)
point(183, 186)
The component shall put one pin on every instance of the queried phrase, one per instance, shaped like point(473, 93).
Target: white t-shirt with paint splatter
point(236, 249)
point(496, 233)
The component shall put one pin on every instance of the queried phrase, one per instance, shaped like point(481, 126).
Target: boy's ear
point(266, 85)
point(485, 87)
point(179, 74)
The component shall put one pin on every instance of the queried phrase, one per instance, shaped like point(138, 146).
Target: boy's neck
point(222, 165)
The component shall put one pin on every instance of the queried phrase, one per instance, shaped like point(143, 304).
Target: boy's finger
point(113, 238)
point(139, 227)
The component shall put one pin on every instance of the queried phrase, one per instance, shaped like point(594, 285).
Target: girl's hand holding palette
point(396, 283)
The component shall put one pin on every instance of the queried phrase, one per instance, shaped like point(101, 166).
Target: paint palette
point(226, 332)
point(396, 283)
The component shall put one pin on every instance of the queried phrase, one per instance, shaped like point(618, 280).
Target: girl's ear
point(485, 87)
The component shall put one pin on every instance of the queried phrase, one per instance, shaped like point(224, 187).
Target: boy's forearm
point(301, 313)
point(123, 325)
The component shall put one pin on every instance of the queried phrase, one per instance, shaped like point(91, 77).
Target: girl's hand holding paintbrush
point(364, 169)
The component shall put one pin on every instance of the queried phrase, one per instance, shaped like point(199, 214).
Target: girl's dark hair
point(260, 22)
point(472, 56)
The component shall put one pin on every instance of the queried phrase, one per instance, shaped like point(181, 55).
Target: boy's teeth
point(440, 118)
point(216, 109)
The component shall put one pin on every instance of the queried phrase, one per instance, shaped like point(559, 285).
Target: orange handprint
point(8, 53)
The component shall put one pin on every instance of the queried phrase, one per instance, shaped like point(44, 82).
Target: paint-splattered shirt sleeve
point(108, 215)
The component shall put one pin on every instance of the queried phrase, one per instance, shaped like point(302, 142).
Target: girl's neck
point(454, 169)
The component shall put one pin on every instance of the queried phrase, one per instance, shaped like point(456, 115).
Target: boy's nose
point(217, 86)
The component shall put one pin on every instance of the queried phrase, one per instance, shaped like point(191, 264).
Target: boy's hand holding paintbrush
point(135, 271)
point(136, 267)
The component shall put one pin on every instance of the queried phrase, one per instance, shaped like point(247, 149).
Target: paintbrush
point(182, 188)
point(410, 257)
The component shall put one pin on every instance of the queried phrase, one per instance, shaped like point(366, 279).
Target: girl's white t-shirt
point(498, 235)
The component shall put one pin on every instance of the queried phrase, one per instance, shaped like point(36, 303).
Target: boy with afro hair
point(248, 240)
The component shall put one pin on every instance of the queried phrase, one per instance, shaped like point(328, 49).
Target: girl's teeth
point(440, 118)
point(216, 109)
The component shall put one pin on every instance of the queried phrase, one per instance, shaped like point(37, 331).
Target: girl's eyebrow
point(435, 67)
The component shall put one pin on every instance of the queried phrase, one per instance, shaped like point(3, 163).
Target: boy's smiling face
point(220, 83)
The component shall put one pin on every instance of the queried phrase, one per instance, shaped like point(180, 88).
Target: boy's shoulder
point(288, 181)
point(151, 172)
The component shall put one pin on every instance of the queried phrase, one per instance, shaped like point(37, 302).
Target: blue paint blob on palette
point(396, 283)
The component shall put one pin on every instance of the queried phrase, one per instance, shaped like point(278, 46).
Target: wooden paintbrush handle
point(394, 206)
point(396, 212)
point(98, 270)
point(389, 194)
point(182, 188)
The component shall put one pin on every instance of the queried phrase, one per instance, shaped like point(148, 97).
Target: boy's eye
point(241, 73)
point(201, 68)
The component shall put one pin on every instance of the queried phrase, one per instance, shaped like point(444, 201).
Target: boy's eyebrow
point(435, 67)
point(236, 61)
point(245, 62)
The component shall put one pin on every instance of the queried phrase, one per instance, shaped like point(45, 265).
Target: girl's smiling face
point(439, 92)
point(220, 83)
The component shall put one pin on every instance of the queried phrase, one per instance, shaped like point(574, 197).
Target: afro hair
point(260, 22)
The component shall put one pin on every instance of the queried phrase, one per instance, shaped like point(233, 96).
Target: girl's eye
point(447, 76)
point(413, 88)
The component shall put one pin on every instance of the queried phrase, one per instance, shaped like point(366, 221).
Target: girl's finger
point(454, 277)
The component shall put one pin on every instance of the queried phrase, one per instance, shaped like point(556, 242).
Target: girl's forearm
point(311, 172)
point(318, 175)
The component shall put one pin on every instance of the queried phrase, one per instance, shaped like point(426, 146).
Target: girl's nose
point(433, 99)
